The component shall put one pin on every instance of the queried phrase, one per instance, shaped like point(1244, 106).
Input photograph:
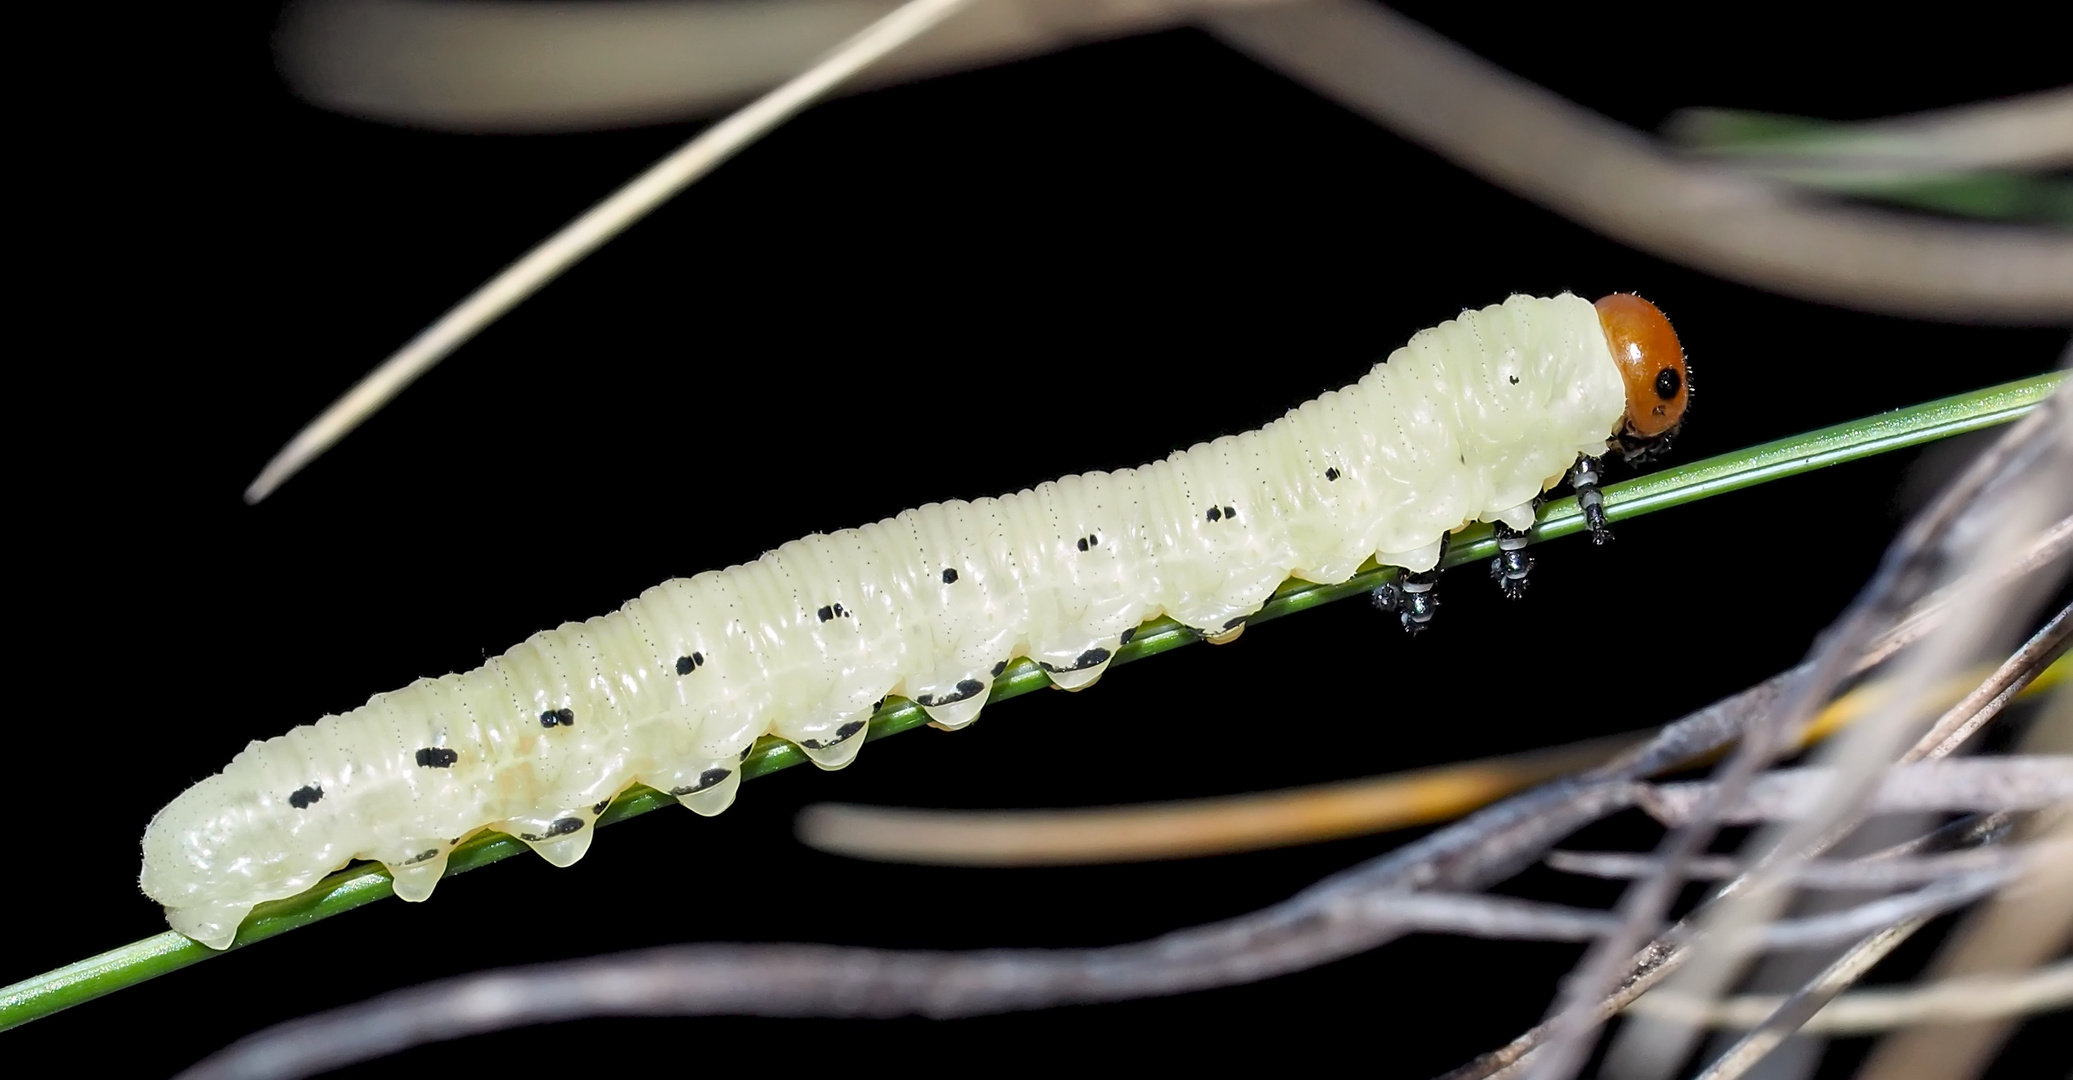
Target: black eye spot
point(1668, 382)
point(949, 577)
point(303, 798)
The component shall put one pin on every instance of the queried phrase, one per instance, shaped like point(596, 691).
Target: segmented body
point(1470, 420)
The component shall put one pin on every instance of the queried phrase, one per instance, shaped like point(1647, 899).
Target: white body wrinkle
point(1470, 420)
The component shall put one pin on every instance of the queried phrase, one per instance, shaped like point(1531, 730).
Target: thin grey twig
point(1988, 699)
point(1801, 1005)
point(2049, 547)
point(1990, 783)
point(806, 980)
point(1834, 928)
point(1867, 873)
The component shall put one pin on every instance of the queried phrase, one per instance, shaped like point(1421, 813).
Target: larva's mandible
point(1471, 420)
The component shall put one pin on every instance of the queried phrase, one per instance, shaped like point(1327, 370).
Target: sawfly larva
point(1471, 420)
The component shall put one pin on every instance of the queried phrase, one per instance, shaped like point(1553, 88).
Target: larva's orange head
point(1651, 364)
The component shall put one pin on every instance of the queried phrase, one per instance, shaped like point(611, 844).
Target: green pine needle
point(359, 884)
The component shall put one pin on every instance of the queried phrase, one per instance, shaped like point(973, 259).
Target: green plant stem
point(359, 884)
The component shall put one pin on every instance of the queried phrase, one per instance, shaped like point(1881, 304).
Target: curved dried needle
point(589, 232)
point(579, 66)
point(1191, 828)
point(1250, 822)
point(1615, 180)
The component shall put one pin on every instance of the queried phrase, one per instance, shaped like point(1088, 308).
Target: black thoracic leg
point(1584, 479)
point(1420, 599)
point(1511, 565)
point(1412, 596)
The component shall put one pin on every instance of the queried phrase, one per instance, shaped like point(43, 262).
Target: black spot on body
point(1215, 514)
point(600, 807)
point(1668, 383)
point(1086, 660)
point(1235, 623)
point(842, 734)
point(559, 827)
point(826, 613)
point(426, 855)
point(564, 717)
point(706, 779)
point(1514, 379)
point(1231, 512)
point(1083, 543)
point(1331, 474)
point(1000, 667)
point(949, 577)
point(965, 688)
point(747, 750)
point(437, 757)
point(685, 664)
point(1127, 635)
point(303, 798)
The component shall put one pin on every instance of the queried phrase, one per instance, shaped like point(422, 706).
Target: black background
point(951, 289)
